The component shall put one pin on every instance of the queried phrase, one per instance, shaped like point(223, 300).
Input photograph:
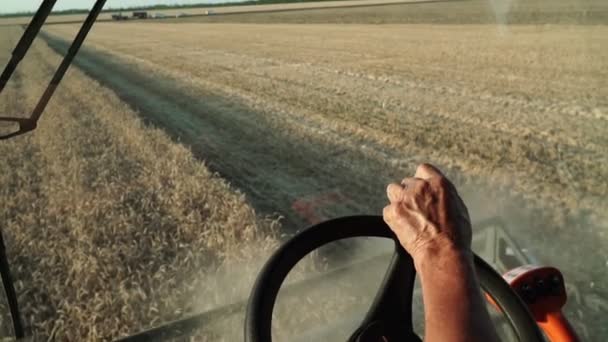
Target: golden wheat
point(111, 227)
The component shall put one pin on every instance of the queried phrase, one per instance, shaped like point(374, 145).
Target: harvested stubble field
point(517, 114)
point(526, 108)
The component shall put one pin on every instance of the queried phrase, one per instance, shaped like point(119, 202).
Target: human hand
point(427, 215)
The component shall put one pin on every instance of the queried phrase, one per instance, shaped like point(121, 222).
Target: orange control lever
point(542, 289)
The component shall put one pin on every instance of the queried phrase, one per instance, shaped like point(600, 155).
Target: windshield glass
point(184, 144)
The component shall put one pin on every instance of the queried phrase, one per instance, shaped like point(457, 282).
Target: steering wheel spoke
point(390, 315)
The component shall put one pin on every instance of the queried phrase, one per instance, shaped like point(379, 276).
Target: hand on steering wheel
point(428, 219)
point(432, 223)
point(427, 215)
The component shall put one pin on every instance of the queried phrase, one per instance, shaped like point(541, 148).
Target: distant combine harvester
point(140, 15)
point(119, 16)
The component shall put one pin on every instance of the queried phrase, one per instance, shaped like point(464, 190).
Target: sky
point(11, 6)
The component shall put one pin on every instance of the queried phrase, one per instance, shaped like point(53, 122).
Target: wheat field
point(110, 227)
point(171, 147)
point(516, 114)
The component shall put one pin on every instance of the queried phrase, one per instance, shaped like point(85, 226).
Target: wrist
point(442, 255)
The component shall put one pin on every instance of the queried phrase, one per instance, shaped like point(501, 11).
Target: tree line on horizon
point(161, 7)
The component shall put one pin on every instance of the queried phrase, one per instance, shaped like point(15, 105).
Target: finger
point(412, 184)
point(388, 214)
point(394, 192)
point(427, 172)
point(398, 221)
point(392, 213)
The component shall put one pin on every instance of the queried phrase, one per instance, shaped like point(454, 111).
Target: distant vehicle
point(181, 15)
point(160, 16)
point(119, 16)
point(140, 15)
point(209, 12)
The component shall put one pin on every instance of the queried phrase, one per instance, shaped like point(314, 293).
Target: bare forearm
point(432, 223)
point(454, 307)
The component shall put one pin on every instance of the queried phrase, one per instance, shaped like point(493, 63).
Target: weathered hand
point(427, 214)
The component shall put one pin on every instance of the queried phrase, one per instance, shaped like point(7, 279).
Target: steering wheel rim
point(258, 321)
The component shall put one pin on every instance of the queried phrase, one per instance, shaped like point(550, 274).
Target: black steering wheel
point(391, 312)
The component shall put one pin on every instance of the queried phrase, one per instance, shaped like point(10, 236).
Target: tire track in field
point(271, 167)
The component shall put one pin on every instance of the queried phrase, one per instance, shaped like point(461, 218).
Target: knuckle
point(423, 167)
point(443, 182)
point(387, 212)
point(424, 187)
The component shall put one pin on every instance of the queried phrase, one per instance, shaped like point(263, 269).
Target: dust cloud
point(324, 294)
point(501, 8)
